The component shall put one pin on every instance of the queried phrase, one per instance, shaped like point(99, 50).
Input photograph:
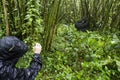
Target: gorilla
point(82, 25)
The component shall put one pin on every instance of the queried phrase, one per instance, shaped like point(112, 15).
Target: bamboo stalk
point(52, 18)
point(11, 16)
point(6, 18)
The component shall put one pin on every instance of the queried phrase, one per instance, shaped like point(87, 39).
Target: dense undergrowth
point(74, 55)
point(80, 56)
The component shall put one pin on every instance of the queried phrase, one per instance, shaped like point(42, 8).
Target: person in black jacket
point(11, 49)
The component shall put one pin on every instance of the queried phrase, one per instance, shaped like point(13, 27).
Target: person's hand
point(37, 48)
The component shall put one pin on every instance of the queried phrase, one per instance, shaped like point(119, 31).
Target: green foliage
point(74, 55)
point(1, 33)
point(80, 56)
point(33, 29)
point(1, 25)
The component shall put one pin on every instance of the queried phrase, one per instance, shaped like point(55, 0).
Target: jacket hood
point(11, 48)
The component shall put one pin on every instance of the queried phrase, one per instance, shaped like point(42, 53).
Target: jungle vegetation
point(68, 54)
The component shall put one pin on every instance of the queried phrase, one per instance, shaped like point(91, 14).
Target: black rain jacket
point(11, 49)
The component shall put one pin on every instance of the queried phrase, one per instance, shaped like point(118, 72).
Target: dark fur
point(82, 25)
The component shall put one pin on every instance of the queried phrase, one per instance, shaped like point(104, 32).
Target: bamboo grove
point(22, 17)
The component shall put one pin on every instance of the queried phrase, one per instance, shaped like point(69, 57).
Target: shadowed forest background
point(67, 53)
